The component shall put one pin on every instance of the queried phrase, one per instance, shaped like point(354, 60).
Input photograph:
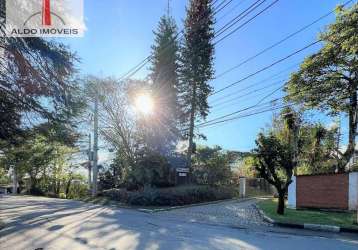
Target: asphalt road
point(42, 223)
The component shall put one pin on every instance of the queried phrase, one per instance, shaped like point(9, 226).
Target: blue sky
point(119, 35)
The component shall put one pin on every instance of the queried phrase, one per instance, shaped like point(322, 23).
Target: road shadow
point(76, 225)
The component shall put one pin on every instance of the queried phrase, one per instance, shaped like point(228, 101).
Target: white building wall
point(291, 203)
point(353, 191)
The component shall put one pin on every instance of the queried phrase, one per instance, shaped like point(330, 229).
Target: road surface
point(43, 223)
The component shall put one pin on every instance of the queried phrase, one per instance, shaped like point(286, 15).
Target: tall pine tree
point(196, 65)
point(164, 76)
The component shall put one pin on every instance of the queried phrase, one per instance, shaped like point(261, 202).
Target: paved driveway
point(232, 213)
point(53, 224)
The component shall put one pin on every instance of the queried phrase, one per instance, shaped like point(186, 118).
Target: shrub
point(151, 169)
point(211, 166)
point(62, 196)
point(51, 195)
point(36, 191)
point(174, 196)
point(77, 191)
point(117, 194)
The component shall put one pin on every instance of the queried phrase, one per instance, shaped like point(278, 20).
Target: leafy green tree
point(211, 166)
point(37, 81)
point(45, 163)
point(151, 169)
point(275, 164)
point(317, 145)
point(10, 118)
point(247, 168)
point(327, 80)
point(196, 65)
point(164, 77)
point(277, 152)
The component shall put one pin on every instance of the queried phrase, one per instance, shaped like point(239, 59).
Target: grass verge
point(341, 219)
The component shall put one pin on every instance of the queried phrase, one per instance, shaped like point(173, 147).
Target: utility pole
point(95, 148)
point(89, 162)
point(14, 179)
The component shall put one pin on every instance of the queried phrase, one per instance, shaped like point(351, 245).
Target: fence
point(330, 191)
point(250, 187)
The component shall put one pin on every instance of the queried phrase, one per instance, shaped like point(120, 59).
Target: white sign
point(183, 170)
point(44, 18)
point(182, 174)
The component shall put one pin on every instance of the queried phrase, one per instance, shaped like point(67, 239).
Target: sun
point(144, 104)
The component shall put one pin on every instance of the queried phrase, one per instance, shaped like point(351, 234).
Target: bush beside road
point(174, 196)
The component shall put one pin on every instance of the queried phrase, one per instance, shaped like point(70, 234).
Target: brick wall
point(323, 191)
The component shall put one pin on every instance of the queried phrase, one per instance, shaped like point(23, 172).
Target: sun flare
point(144, 104)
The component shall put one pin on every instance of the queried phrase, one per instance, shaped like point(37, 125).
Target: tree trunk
point(352, 121)
point(191, 127)
point(281, 202)
point(68, 186)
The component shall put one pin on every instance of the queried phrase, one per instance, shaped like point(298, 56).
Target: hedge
point(173, 196)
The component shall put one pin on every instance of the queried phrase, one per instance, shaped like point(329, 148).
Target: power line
point(249, 93)
point(244, 109)
point(218, 6)
point(259, 103)
point(251, 114)
point(142, 63)
point(231, 10)
point(248, 9)
point(280, 41)
point(223, 7)
point(266, 67)
point(242, 116)
point(248, 21)
point(274, 76)
point(286, 38)
point(239, 17)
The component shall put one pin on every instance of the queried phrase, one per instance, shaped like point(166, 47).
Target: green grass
point(342, 219)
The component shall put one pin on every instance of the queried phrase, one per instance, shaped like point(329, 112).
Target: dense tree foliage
point(277, 153)
point(196, 65)
point(317, 145)
point(39, 104)
point(275, 164)
point(211, 166)
point(328, 79)
point(42, 166)
point(164, 131)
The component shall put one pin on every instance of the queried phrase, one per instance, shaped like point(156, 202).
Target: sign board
point(45, 18)
point(182, 170)
point(182, 174)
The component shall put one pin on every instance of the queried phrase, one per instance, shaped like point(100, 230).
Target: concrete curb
point(155, 210)
point(313, 227)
